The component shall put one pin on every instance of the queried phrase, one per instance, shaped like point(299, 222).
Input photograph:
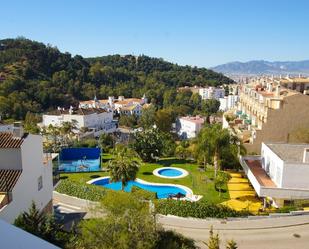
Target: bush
point(143, 194)
point(173, 240)
point(81, 190)
point(196, 209)
point(86, 143)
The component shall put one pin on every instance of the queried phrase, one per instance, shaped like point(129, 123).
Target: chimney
point(18, 130)
point(71, 110)
point(111, 100)
point(277, 94)
point(306, 155)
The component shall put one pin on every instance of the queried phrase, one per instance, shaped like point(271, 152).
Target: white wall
point(10, 158)
point(53, 120)
point(296, 175)
point(273, 165)
point(26, 188)
point(98, 121)
point(188, 129)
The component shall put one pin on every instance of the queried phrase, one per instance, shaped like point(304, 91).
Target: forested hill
point(36, 77)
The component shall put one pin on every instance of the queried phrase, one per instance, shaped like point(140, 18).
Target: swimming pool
point(80, 165)
point(170, 172)
point(162, 190)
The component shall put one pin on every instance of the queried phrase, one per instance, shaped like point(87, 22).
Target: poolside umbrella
point(179, 195)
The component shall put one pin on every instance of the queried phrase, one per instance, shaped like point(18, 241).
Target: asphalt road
point(267, 233)
point(274, 238)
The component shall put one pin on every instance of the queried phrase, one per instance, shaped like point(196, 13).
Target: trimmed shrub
point(143, 194)
point(196, 209)
point(81, 190)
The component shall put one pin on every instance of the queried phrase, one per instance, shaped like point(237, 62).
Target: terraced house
point(267, 113)
point(25, 174)
point(280, 174)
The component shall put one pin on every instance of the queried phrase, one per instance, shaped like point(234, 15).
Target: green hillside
point(36, 77)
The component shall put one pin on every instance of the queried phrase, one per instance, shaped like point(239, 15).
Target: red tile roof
point(7, 140)
point(259, 173)
point(8, 179)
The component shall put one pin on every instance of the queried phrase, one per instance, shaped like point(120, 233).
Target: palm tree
point(211, 141)
point(124, 166)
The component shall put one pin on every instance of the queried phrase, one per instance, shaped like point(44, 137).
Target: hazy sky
point(202, 33)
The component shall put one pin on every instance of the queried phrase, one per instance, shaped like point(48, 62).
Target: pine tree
point(231, 244)
point(213, 241)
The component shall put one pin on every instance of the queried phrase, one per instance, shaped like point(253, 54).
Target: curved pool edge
point(183, 171)
point(189, 196)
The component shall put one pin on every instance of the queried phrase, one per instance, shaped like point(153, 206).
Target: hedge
point(81, 190)
point(143, 194)
point(196, 209)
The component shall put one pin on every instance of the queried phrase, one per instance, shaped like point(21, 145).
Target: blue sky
point(201, 33)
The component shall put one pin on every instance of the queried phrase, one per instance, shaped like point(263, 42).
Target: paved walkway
point(242, 194)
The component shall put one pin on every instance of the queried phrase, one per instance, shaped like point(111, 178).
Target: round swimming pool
point(162, 190)
point(170, 172)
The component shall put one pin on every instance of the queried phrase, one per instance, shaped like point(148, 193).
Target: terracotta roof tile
point(7, 140)
point(8, 179)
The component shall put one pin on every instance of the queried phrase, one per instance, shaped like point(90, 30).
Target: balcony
point(264, 186)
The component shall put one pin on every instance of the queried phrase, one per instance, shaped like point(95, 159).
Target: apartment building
point(299, 84)
point(96, 119)
point(189, 127)
point(121, 105)
point(212, 93)
point(25, 174)
point(267, 113)
point(280, 173)
point(228, 102)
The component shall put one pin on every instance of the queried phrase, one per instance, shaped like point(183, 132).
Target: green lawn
point(199, 181)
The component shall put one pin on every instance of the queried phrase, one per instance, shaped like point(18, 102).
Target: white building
point(228, 102)
point(95, 119)
point(280, 173)
point(121, 105)
point(25, 175)
point(135, 109)
point(212, 93)
point(189, 127)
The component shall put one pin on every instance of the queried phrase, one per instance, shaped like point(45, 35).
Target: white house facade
point(212, 93)
point(25, 175)
point(228, 102)
point(120, 105)
point(189, 127)
point(96, 119)
point(280, 173)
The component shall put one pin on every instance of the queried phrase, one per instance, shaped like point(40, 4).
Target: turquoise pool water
point(170, 172)
point(80, 165)
point(161, 190)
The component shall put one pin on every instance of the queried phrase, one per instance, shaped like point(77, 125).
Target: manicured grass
point(198, 180)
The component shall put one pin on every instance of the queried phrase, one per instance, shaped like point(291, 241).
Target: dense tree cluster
point(36, 77)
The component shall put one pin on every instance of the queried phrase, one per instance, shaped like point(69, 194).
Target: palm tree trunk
point(122, 185)
point(216, 163)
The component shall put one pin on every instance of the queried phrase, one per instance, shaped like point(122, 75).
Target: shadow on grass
point(94, 176)
point(63, 177)
point(170, 161)
point(147, 173)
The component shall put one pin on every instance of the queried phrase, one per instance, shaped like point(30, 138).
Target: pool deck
point(156, 172)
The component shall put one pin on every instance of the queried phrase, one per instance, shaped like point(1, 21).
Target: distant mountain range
point(258, 67)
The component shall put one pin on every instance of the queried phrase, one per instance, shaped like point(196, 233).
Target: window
point(40, 183)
